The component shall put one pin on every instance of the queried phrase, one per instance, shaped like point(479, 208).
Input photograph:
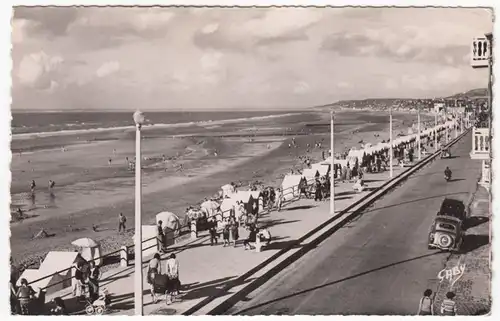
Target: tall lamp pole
point(391, 151)
point(139, 120)
point(332, 167)
point(435, 130)
point(419, 134)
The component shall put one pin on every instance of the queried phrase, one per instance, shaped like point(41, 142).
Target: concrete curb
point(314, 237)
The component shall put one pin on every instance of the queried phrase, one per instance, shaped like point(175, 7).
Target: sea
point(43, 122)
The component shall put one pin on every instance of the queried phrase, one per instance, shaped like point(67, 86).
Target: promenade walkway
point(204, 268)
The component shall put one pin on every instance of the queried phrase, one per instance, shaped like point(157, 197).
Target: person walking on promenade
point(94, 276)
point(233, 231)
point(225, 234)
point(14, 302)
point(173, 277)
point(160, 237)
point(252, 237)
point(449, 307)
point(426, 305)
point(121, 222)
point(279, 199)
point(154, 268)
point(318, 193)
point(213, 231)
point(78, 285)
point(25, 294)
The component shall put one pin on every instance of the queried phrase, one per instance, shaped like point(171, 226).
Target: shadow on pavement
point(343, 198)
point(333, 283)
point(473, 242)
point(281, 245)
point(456, 180)
point(474, 221)
point(280, 221)
point(302, 207)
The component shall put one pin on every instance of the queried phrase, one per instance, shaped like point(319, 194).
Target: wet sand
point(89, 191)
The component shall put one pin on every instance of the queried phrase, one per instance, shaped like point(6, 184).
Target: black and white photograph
point(255, 160)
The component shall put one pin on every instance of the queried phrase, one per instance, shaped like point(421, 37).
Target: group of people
point(168, 283)
point(26, 301)
point(426, 304)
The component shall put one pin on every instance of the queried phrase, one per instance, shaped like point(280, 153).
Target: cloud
point(228, 57)
point(108, 68)
point(38, 70)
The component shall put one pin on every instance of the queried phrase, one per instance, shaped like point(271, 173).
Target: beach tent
point(59, 261)
point(290, 186)
point(50, 284)
point(227, 190)
point(322, 168)
point(256, 195)
point(91, 250)
point(251, 204)
point(310, 174)
point(171, 224)
point(226, 206)
point(56, 261)
point(210, 207)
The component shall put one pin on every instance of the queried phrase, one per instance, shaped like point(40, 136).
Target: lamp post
point(435, 130)
point(332, 167)
point(419, 133)
point(391, 151)
point(139, 120)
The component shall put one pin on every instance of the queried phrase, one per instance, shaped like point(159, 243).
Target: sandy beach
point(91, 191)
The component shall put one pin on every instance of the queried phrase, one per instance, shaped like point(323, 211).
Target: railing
point(188, 225)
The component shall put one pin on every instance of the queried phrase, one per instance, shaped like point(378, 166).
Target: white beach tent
point(171, 224)
point(210, 207)
point(310, 174)
point(248, 200)
point(50, 284)
point(227, 190)
point(57, 261)
point(226, 206)
point(323, 167)
point(290, 186)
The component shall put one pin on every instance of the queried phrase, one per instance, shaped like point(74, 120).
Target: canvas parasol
point(85, 242)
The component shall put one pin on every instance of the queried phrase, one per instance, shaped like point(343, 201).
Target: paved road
point(380, 263)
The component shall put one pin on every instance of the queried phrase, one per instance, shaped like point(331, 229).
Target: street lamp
point(419, 134)
point(139, 121)
point(332, 167)
point(391, 151)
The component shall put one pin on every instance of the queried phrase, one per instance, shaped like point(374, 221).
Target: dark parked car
point(446, 234)
point(453, 208)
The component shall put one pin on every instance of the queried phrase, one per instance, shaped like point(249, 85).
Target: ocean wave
point(145, 127)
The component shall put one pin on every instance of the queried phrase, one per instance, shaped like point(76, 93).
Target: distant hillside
point(478, 92)
point(404, 103)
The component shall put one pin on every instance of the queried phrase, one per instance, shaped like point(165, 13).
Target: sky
point(164, 59)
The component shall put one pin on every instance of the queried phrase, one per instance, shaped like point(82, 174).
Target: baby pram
point(163, 286)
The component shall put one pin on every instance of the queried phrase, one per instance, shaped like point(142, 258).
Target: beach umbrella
point(85, 242)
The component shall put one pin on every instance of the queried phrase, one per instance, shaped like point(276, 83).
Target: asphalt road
point(379, 264)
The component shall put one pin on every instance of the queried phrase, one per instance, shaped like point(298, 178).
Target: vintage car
point(453, 208)
point(446, 234)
